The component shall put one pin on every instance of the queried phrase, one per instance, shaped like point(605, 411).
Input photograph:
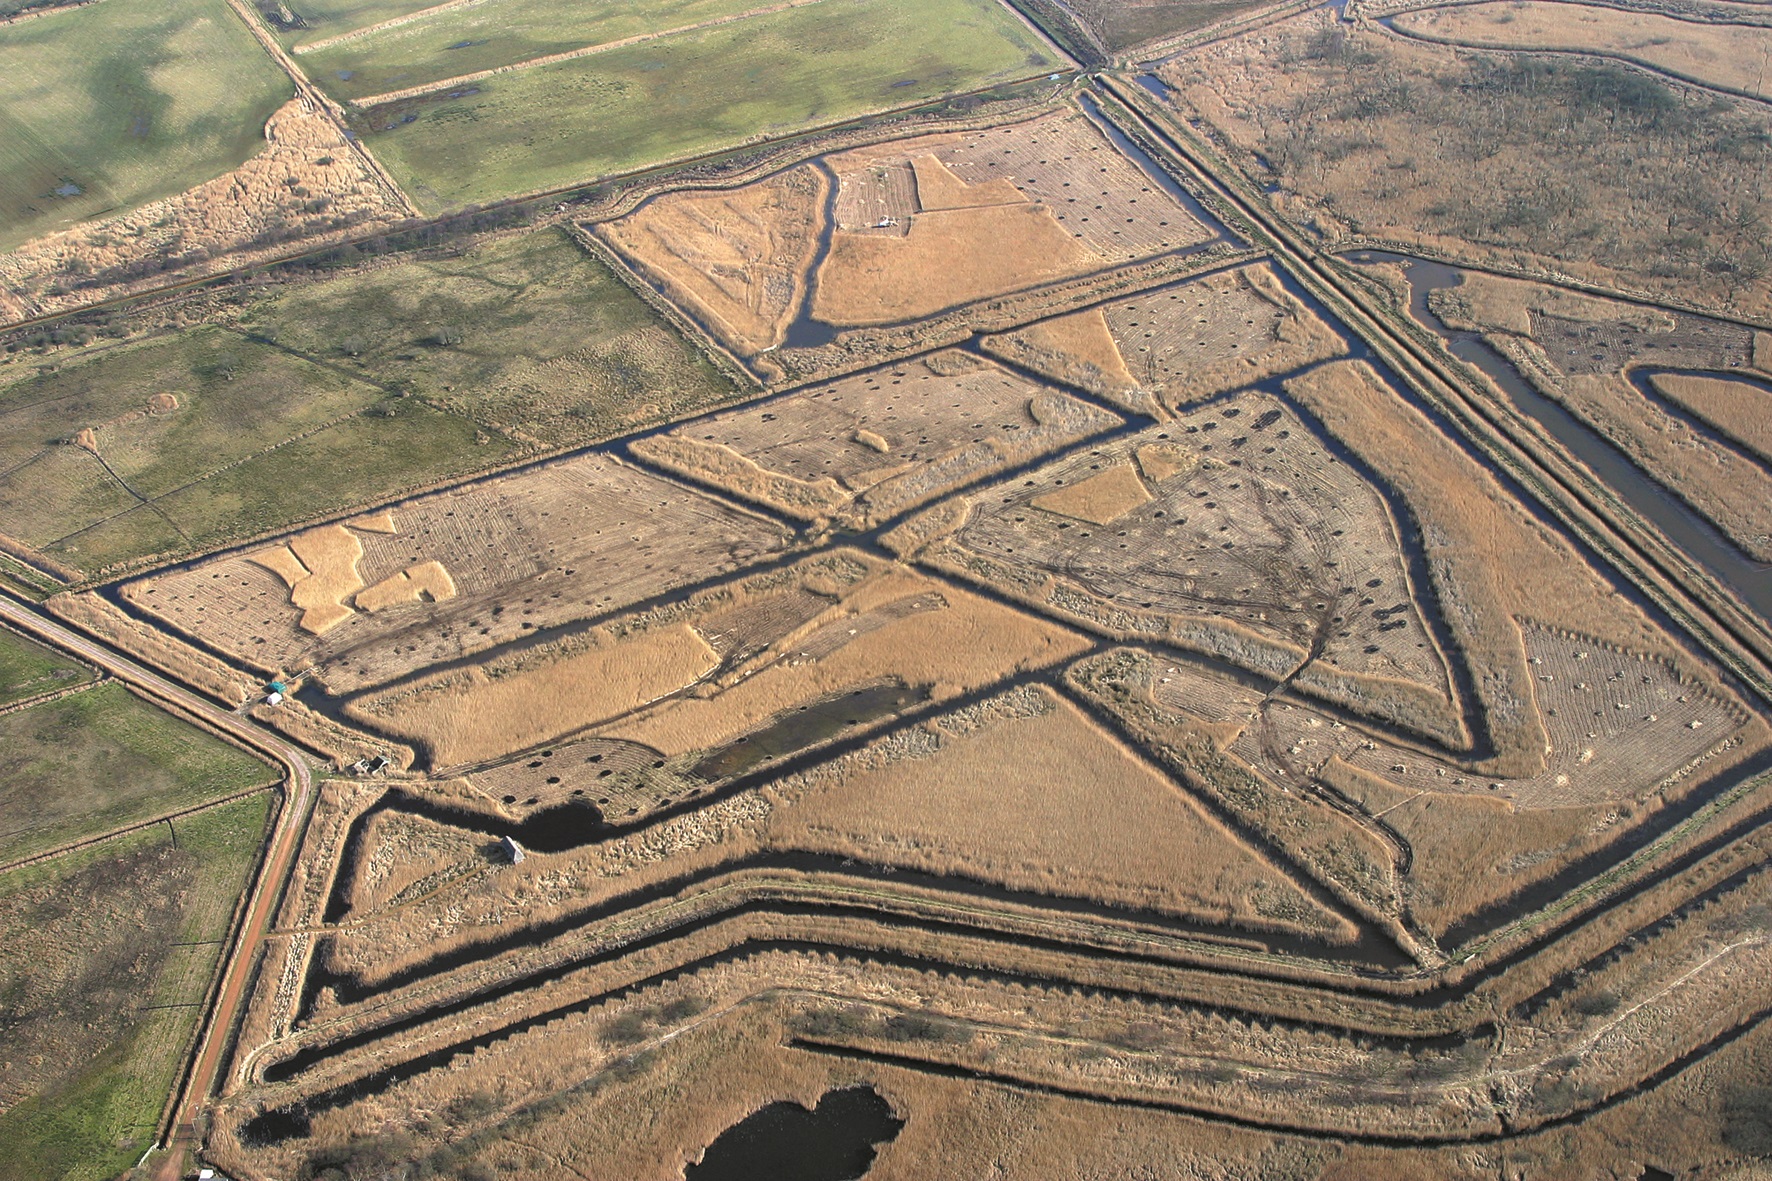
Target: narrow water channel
point(806, 332)
point(1156, 173)
point(1700, 540)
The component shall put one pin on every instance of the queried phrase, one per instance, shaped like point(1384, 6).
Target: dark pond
point(835, 1141)
point(809, 725)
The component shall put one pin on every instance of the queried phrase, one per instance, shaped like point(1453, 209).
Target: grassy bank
point(104, 107)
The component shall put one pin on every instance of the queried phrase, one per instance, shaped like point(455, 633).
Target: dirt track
point(255, 915)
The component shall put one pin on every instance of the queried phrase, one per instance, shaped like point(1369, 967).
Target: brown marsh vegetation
point(1123, 730)
point(1588, 169)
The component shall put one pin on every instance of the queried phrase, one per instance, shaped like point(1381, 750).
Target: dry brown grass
point(92, 613)
point(939, 188)
point(1024, 791)
point(866, 448)
point(1060, 161)
point(321, 734)
point(1259, 548)
point(1164, 461)
point(1180, 345)
point(542, 547)
point(1624, 735)
point(1348, 859)
point(1489, 560)
point(485, 713)
point(307, 181)
point(427, 582)
point(1567, 166)
point(1101, 499)
point(722, 467)
point(1009, 202)
point(1472, 850)
point(380, 521)
point(1730, 490)
point(1731, 56)
point(329, 556)
point(737, 257)
point(875, 279)
point(1490, 303)
point(1077, 349)
point(1737, 408)
point(1580, 351)
point(893, 626)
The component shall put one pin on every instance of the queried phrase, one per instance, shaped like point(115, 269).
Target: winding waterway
point(1698, 538)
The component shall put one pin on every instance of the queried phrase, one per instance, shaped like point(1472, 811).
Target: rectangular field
point(867, 448)
point(1179, 344)
point(466, 38)
point(572, 539)
point(28, 669)
point(317, 20)
point(105, 958)
point(1024, 204)
point(101, 759)
point(105, 107)
point(308, 399)
point(554, 125)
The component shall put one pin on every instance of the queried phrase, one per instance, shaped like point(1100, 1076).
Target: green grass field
point(28, 669)
point(329, 18)
point(544, 340)
point(496, 33)
point(87, 942)
point(103, 758)
point(105, 107)
point(521, 343)
point(552, 126)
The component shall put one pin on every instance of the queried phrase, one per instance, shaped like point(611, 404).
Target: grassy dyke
point(126, 102)
point(28, 669)
point(311, 398)
point(101, 759)
point(552, 126)
point(328, 18)
point(485, 36)
point(87, 944)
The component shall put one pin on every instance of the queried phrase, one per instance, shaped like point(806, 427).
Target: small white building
point(512, 850)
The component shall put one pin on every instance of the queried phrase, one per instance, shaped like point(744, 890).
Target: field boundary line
point(314, 98)
point(1617, 57)
point(380, 26)
point(1694, 11)
point(18, 18)
point(376, 100)
point(138, 826)
point(1168, 48)
point(45, 699)
point(1069, 60)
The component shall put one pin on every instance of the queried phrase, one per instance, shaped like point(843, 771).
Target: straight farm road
point(255, 916)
